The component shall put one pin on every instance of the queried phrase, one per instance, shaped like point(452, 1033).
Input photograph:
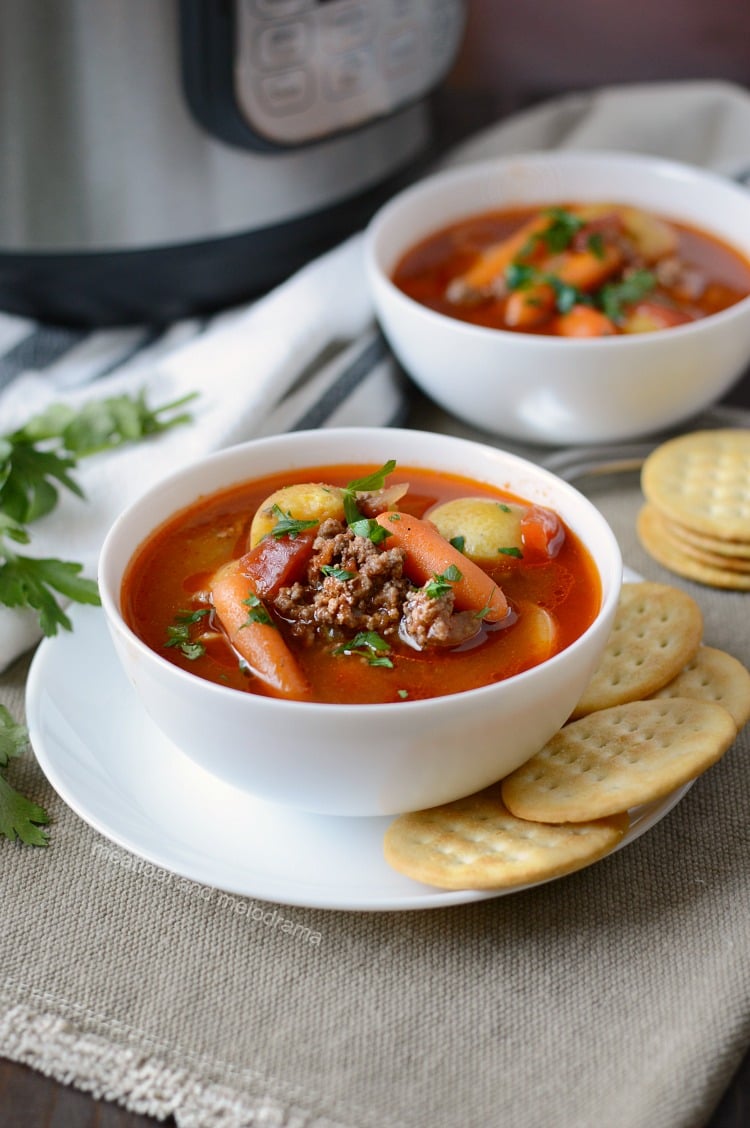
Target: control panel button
point(349, 75)
point(344, 28)
point(282, 44)
point(286, 92)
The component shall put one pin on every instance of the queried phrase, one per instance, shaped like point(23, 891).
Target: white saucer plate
point(114, 768)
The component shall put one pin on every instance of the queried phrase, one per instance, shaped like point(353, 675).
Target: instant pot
point(166, 157)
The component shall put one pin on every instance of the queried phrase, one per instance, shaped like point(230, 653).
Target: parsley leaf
point(36, 461)
point(337, 573)
point(441, 582)
point(563, 226)
point(28, 582)
point(178, 633)
point(368, 645)
point(257, 613)
point(374, 481)
point(19, 817)
point(615, 295)
point(511, 551)
point(458, 542)
point(368, 527)
point(288, 526)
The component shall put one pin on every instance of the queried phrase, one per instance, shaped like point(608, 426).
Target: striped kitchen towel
point(307, 355)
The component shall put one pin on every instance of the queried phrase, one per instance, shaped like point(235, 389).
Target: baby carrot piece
point(253, 635)
point(584, 321)
point(429, 554)
point(584, 269)
point(529, 306)
point(493, 260)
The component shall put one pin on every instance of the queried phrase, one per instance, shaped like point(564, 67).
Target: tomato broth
point(578, 271)
point(167, 602)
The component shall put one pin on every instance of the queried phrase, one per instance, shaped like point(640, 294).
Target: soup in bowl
point(360, 621)
point(567, 297)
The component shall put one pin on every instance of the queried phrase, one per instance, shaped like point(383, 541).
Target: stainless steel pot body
point(106, 152)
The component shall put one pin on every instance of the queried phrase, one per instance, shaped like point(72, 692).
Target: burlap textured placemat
point(619, 995)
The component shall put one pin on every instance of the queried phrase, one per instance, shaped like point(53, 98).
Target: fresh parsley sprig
point(364, 526)
point(20, 818)
point(36, 461)
point(288, 526)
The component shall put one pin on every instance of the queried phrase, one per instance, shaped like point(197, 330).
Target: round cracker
point(657, 629)
point(673, 558)
point(702, 480)
point(670, 532)
point(619, 758)
point(735, 549)
point(476, 843)
point(714, 675)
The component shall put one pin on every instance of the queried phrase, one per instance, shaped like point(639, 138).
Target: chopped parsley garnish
point(288, 526)
point(374, 481)
point(511, 551)
point(257, 612)
point(441, 582)
point(371, 482)
point(19, 817)
point(337, 573)
point(559, 233)
point(368, 527)
point(595, 244)
point(483, 612)
point(368, 645)
point(615, 295)
point(520, 276)
point(178, 634)
point(403, 693)
point(505, 508)
point(458, 542)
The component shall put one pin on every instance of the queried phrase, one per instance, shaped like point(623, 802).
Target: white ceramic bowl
point(359, 759)
point(548, 389)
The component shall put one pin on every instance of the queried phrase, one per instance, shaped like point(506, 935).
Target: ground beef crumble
point(431, 621)
point(371, 600)
point(375, 596)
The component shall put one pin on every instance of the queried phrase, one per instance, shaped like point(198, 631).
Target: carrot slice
point(584, 321)
point(429, 554)
point(494, 259)
point(258, 642)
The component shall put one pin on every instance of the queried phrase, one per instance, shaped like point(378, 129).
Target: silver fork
point(615, 458)
point(583, 462)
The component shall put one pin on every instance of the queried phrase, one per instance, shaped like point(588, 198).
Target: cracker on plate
point(673, 556)
point(702, 480)
point(657, 629)
point(714, 675)
point(475, 843)
point(619, 758)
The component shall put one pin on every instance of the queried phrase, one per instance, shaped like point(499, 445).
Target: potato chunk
point(308, 501)
point(489, 528)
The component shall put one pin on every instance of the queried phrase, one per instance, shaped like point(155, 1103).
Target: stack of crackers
point(696, 520)
point(660, 709)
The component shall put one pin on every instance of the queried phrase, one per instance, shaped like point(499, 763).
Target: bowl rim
point(609, 568)
point(478, 171)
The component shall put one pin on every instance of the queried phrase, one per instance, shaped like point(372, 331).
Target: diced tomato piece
point(542, 533)
point(274, 564)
